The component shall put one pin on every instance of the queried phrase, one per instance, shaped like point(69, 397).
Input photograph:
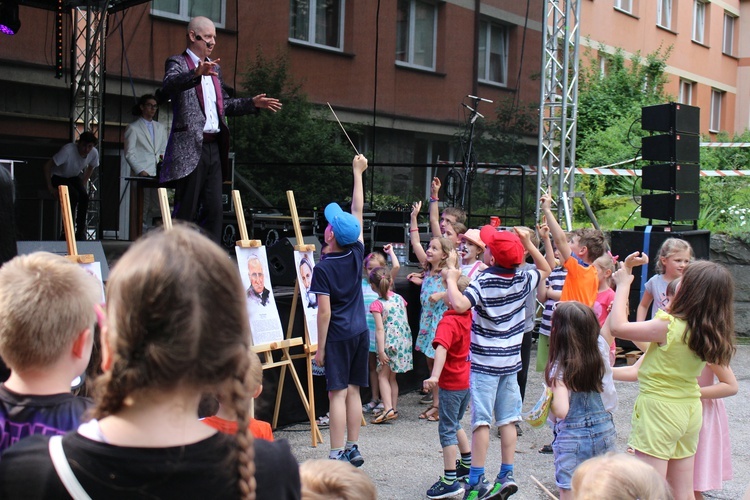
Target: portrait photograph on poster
point(305, 263)
point(265, 323)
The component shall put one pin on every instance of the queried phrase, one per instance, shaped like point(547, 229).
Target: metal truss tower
point(87, 87)
point(558, 111)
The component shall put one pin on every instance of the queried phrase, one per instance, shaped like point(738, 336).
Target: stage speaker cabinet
point(227, 204)
point(682, 178)
point(678, 148)
point(626, 242)
point(671, 117)
point(670, 206)
point(230, 231)
point(281, 260)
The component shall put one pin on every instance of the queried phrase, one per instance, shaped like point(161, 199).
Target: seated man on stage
point(72, 166)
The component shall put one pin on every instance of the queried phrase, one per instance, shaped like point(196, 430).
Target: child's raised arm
point(458, 301)
point(416, 245)
point(727, 385)
point(654, 330)
point(395, 264)
point(549, 251)
point(541, 264)
point(359, 165)
point(433, 209)
point(558, 235)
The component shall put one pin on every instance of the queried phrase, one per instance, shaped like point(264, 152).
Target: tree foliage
point(298, 134)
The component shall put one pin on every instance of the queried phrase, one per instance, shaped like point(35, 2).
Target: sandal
point(385, 417)
point(546, 449)
point(372, 405)
point(430, 414)
point(323, 421)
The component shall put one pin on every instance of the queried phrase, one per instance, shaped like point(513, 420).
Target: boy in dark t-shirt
point(46, 334)
point(343, 336)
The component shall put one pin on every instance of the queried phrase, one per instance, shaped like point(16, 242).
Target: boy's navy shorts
point(346, 362)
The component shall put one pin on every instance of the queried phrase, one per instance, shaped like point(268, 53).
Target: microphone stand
point(470, 162)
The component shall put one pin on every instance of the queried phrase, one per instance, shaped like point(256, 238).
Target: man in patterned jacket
point(197, 156)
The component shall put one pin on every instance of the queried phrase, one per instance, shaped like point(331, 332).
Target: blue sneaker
point(502, 489)
point(442, 489)
point(353, 456)
point(462, 471)
point(478, 491)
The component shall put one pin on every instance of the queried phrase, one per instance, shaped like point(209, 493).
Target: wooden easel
point(166, 214)
point(310, 348)
point(70, 234)
point(266, 350)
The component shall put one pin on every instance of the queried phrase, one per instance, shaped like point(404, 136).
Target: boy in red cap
point(498, 296)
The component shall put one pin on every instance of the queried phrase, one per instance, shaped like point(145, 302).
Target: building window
point(664, 13)
point(185, 10)
point(717, 100)
point(493, 53)
point(699, 21)
point(624, 5)
point(317, 22)
point(728, 45)
point(686, 92)
point(416, 32)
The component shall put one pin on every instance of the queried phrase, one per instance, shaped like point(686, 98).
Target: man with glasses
point(145, 143)
point(197, 156)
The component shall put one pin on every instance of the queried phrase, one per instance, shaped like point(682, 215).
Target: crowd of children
point(175, 340)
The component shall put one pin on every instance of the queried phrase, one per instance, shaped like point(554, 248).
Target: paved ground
point(405, 458)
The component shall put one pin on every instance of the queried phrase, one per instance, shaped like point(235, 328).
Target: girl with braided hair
point(175, 326)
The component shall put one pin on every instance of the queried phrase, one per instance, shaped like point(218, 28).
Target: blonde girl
point(433, 260)
point(698, 328)
point(371, 262)
point(393, 341)
point(674, 255)
point(176, 326)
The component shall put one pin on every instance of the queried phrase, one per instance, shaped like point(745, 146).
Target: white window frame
point(312, 26)
point(717, 102)
point(411, 35)
point(700, 9)
point(487, 26)
point(686, 92)
point(664, 14)
point(624, 5)
point(727, 44)
point(184, 13)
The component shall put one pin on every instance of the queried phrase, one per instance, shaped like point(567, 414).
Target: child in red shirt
point(450, 373)
point(226, 422)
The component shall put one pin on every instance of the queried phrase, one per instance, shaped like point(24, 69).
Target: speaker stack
point(673, 177)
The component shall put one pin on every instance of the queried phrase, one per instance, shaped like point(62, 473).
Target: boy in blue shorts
point(343, 336)
point(451, 374)
point(498, 296)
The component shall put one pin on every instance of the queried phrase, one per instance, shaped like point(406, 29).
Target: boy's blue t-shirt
point(338, 275)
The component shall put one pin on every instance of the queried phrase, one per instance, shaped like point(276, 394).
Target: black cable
point(628, 135)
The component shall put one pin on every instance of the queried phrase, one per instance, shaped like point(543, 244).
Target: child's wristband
point(414, 230)
point(434, 199)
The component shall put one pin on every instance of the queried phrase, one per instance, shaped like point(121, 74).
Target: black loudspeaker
point(671, 177)
point(626, 242)
point(227, 204)
point(281, 260)
point(671, 117)
point(680, 148)
point(670, 206)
